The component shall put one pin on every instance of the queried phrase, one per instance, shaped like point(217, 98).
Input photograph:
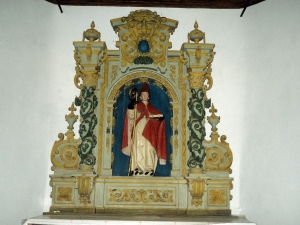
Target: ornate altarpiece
point(90, 173)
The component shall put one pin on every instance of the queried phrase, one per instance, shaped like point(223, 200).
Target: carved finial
point(196, 35)
point(91, 34)
point(196, 25)
point(71, 118)
point(72, 109)
point(93, 25)
point(213, 110)
point(213, 120)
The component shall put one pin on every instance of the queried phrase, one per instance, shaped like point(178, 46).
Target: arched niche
point(161, 101)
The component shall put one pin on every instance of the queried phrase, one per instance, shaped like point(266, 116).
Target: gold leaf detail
point(114, 72)
point(84, 189)
point(145, 196)
point(217, 197)
point(143, 80)
point(64, 194)
point(172, 72)
point(198, 186)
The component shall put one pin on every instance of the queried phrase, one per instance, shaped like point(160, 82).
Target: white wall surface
point(255, 90)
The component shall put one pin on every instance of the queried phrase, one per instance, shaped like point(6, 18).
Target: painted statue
point(144, 135)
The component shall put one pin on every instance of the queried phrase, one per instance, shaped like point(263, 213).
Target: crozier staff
point(148, 142)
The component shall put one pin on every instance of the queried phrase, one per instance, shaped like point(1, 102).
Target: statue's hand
point(131, 104)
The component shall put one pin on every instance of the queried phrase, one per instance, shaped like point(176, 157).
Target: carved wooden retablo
point(91, 173)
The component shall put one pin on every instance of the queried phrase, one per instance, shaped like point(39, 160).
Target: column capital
point(89, 77)
point(196, 79)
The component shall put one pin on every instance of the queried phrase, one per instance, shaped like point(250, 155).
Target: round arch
point(139, 77)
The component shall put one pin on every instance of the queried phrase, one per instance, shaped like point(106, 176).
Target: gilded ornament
point(196, 79)
point(129, 83)
point(84, 189)
point(183, 89)
point(158, 84)
point(91, 34)
point(116, 89)
point(112, 158)
point(172, 72)
point(198, 54)
point(176, 144)
point(169, 95)
point(113, 123)
point(141, 195)
point(196, 35)
point(217, 197)
point(114, 73)
point(213, 120)
point(112, 139)
point(144, 28)
point(207, 86)
point(197, 191)
point(64, 194)
point(218, 153)
point(88, 52)
point(103, 86)
point(64, 152)
point(77, 69)
point(182, 59)
point(107, 145)
point(104, 57)
point(143, 80)
point(71, 118)
point(210, 59)
point(90, 77)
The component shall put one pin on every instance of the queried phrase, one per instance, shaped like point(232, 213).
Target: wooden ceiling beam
point(212, 4)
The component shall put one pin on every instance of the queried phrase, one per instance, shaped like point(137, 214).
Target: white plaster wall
point(33, 101)
point(269, 172)
point(255, 91)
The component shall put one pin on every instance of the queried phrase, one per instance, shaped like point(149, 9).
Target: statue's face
point(144, 96)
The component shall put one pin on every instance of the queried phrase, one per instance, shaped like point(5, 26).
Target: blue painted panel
point(160, 101)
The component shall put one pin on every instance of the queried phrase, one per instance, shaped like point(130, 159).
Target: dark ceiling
point(213, 4)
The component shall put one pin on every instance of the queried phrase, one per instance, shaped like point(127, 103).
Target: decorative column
point(196, 121)
point(88, 57)
point(200, 56)
point(89, 120)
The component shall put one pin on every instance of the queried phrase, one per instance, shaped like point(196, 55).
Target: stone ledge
point(135, 220)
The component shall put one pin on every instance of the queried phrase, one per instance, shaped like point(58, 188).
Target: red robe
point(154, 131)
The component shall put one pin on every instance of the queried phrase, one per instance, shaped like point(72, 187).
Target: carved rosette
point(64, 194)
point(217, 197)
